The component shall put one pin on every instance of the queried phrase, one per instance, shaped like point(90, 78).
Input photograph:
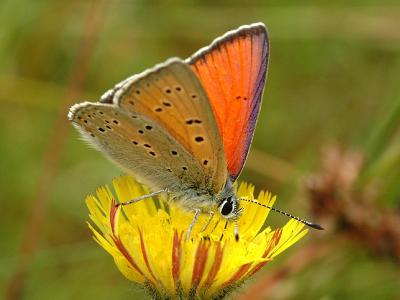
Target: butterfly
point(184, 127)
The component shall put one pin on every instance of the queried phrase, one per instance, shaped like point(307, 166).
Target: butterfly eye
point(227, 207)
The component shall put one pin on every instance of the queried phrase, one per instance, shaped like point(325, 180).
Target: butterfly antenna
point(308, 223)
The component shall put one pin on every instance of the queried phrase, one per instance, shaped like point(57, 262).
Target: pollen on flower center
point(147, 242)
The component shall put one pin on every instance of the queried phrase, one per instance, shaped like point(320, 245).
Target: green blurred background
point(333, 80)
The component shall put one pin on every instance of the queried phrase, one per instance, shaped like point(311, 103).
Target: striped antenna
point(308, 223)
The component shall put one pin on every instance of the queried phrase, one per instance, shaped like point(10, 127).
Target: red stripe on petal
point(274, 241)
point(118, 243)
point(126, 254)
point(200, 262)
point(176, 256)
point(219, 253)
point(257, 268)
point(113, 215)
point(238, 275)
point(144, 254)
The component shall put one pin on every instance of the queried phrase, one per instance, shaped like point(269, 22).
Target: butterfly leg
point(223, 232)
point(236, 231)
point(196, 216)
point(208, 222)
point(141, 198)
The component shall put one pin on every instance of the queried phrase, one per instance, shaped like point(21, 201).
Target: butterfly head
point(229, 208)
point(228, 204)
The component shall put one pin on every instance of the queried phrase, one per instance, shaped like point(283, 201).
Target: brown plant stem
point(53, 153)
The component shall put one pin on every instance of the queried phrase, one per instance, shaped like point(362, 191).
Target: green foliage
point(333, 78)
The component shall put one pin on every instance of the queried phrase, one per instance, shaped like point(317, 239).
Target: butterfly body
point(185, 126)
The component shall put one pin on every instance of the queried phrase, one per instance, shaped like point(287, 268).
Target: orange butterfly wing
point(233, 70)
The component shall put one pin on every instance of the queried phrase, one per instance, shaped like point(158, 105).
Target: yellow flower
point(148, 244)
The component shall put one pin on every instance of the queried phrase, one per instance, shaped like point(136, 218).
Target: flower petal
point(147, 242)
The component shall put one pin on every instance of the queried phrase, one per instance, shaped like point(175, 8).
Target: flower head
point(148, 244)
